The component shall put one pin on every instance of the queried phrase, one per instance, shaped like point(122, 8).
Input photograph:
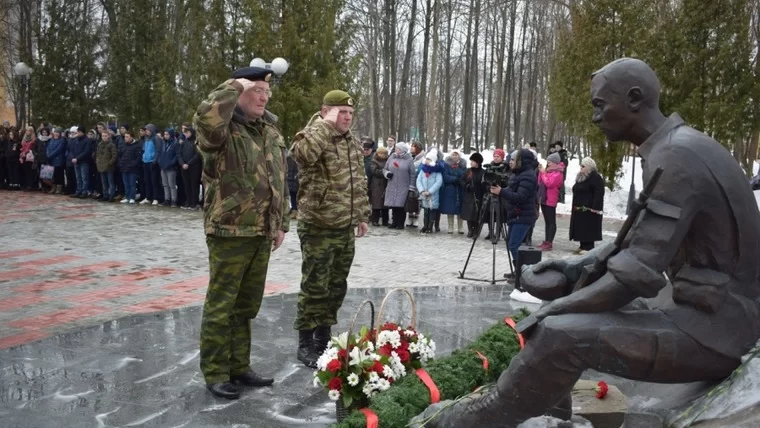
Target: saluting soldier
point(332, 201)
point(245, 218)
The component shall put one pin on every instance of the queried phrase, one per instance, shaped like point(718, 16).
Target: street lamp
point(23, 71)
point(278, 65)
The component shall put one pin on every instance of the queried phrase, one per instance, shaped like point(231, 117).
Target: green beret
point(338, 98)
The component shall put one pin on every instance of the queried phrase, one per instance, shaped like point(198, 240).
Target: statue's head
point(623, 92)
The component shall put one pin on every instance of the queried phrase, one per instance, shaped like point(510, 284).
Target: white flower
point(388, 372)
point(334, 395)
point(408, 333)
point(358, 356)
point(353, 379)
point(383, 384)
point(327, 356)
point(374, 377)
point(317, 382)
point(371, 346)
point(392, 337)
point(341, 340)
point(414, 348)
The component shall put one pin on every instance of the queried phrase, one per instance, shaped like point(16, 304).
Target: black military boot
point(226, 390)
point(306, 353)
point(252, 379)
point(322, 336)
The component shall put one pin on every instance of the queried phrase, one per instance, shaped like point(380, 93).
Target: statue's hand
point(433, 416)
point(558, 265)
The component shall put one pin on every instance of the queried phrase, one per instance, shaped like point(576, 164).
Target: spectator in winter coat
point(588, 207)
point(168, 157)
point(3, 165)
point(129, 162)
point(550, 180)
point(418, 154)
point(520, 196)
point(559, 148)
point(12, 153)
point(379, 184)
point(56, 154)
point(399, 170)
point(368, 147)
point(189, 161)
point(429, 183)
point(28, 159)
point(500, 166)
point(151, 170)
point(105, 162)
point(81, 157)
point(473, 194)
point(43, 138)
point(452, 193)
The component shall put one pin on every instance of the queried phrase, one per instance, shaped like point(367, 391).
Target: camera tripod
point(497, 231)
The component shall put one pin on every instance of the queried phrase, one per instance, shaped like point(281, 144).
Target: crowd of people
point(408, 186)
point(107, 163)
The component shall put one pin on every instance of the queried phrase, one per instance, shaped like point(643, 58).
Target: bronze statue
point(701, 226)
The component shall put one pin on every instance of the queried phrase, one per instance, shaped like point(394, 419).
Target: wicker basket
point(412, 323)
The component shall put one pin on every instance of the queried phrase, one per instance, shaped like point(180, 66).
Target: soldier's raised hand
point(247, 84)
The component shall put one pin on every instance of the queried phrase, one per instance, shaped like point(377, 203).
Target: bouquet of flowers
point(351, 370)
point(408, 349)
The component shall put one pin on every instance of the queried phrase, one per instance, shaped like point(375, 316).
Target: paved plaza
point(100, 309)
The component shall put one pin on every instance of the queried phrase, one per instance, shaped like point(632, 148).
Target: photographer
point(497, 172)
point(520, 195)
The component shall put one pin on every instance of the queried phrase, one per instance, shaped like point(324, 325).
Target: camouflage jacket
point(332, 187)
point(244, 168)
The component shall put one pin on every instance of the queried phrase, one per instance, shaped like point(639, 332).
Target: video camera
point(496, 175)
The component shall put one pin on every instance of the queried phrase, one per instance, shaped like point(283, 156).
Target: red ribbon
point(485, 360)
point(510, 322)
point(372, 421)
point(435, 395)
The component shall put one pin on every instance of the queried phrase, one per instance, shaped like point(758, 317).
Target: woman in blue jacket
point(56, 153)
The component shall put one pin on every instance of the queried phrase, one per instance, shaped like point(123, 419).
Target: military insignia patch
point(267, 77)
point(350, 101)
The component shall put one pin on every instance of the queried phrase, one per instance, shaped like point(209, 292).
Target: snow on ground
point(615, 201)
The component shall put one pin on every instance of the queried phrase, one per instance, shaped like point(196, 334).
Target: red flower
point(334, 366)
point(390, 326)
point(403, 355)
point(385, 350)
point(404, 346)
point(377, 367)
point(395, 164)
point(342, 354)
point(601, 389)
point(335, 383)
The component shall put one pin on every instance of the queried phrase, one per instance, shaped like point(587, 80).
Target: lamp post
point(278, 65)
point(23, 71)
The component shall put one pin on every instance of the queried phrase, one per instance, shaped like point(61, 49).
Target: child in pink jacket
point(550, 180)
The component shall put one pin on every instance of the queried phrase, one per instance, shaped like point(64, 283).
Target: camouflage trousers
point(327, 256)
point(237, 275)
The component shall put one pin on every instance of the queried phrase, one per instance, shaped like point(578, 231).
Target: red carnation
point(404, 346)
point(377, 367)
point(335, 383)
point(334, 366)
point(342, 354)
point(601, 389)
point(390, 326)
point(403, 355)
point(385, 350)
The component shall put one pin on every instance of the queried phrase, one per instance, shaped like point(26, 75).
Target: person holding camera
point(499, 170)
point(520, 195)
point(473, 194)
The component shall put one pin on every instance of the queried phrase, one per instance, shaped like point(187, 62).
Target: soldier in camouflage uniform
point(245, 218)
point(332, 201)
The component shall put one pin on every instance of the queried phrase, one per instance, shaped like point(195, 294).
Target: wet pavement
point(99, 312)
point(143, 370)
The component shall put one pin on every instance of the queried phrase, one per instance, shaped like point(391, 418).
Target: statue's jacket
point(702, 228)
